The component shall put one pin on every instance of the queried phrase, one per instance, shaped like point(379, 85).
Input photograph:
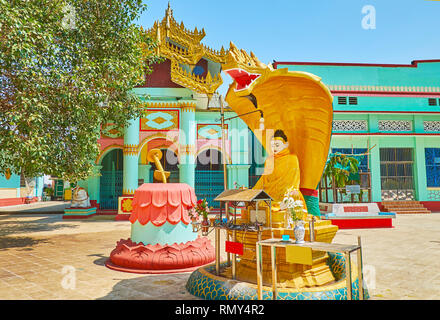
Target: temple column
point(130, 153)
point(376, 187)
point(187, 141)
point(420, 180)
point(93, 183)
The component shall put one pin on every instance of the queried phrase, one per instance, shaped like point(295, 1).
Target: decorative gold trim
point(188, 107)
point(130, 150)
point(158, 105)
point(170, 105)
point(206, 85)
point(127, 192)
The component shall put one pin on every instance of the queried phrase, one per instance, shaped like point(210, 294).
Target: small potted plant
point(202, 210)
point(297, 212)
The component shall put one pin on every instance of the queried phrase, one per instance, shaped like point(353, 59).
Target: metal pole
point(273, 253)
point(259, 272)
point(348, 275)
point(270, 217)
point(225, 174)
point(312, 229)
point(234, 258)
point(360, 270)
point(217, 250)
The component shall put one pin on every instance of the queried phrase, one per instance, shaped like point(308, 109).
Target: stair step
point(401, 201)
point(404, 208)
point(413, 212)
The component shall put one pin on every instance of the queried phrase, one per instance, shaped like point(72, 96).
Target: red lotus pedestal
point(162, 240)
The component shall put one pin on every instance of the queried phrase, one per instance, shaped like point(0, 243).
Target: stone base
point(139, 258)
point(203, 283)
point(79, 213)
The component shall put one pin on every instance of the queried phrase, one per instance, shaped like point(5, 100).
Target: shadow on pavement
point(19, 242)
point(14, 226)
point(101, 261)
point(151, 287)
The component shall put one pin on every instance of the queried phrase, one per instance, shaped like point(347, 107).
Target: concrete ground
point(45, 257)
point(48, 207)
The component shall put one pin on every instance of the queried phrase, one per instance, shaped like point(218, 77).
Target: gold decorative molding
point(130, 150)
point(128, 192)
point(188, 107)
point(207, 85)
point(169, 105)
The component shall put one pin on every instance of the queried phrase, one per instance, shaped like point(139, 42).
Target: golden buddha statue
point(281, 172)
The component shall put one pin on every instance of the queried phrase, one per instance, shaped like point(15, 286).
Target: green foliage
point(341, 167)
point(66, 68)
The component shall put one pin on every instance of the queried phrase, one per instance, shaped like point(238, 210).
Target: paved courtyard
point(45, 257)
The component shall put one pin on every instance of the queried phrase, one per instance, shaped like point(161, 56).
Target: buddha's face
point(278, 145)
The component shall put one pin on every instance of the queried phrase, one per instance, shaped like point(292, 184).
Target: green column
point(93, 183)
point(187, 141)
point(130, 152)
point(419, 125)
point(420, 182)
point(373, 123)
point(376, 189)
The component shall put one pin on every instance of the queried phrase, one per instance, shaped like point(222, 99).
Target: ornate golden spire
point(184, 47)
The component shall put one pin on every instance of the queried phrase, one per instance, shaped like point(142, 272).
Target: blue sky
point(312, 30)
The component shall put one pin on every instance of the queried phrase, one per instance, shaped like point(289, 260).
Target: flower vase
point(299, 231)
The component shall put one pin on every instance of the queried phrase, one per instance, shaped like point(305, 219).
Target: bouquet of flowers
point(295, 208)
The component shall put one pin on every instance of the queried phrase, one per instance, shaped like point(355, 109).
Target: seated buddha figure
point(80, 198)
point(281, 171)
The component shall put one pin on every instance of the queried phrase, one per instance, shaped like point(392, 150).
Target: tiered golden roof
point(184, 48)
